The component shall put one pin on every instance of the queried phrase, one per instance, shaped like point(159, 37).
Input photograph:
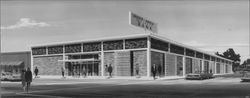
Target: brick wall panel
point(140, 57)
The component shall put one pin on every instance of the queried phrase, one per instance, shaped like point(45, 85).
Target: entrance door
point(76, 69)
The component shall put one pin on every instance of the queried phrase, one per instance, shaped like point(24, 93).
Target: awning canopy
point(11, 63)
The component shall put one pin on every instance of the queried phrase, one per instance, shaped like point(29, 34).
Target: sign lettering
point(139, 21)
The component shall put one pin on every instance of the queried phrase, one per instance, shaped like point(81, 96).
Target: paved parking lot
point(68, 88)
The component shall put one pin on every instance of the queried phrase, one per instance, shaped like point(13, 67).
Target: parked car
point(246, 77)
point(7, 76)
point(199, 76)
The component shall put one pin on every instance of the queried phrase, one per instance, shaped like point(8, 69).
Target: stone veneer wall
point(114, 58)
point(48, 65)
point(109, 58)
point(140, 57)
point(193, 65)
point(211, 66)
point(188, 64)
point(170, 68)
point(196, 66)
point(218, 68)
point(221, 68)
point(179, 70)
point(122, 63)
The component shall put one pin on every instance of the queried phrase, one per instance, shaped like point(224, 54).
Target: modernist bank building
point(123, 54)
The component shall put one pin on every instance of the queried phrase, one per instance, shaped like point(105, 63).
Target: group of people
point(155, 69)
point(77, 72)
point(26, 76)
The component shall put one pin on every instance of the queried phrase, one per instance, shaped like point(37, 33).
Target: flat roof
point(16, 52)
point(153, 35)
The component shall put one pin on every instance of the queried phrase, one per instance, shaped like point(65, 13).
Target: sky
point(210, 25)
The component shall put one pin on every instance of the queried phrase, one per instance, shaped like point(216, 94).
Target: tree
point(246, 64)
point(230, 54)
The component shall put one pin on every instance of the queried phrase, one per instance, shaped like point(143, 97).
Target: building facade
point(14, 62)
point(124, 54)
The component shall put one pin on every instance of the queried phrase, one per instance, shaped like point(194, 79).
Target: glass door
point(96, 69)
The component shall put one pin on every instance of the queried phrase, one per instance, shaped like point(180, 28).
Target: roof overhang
point(11, 63)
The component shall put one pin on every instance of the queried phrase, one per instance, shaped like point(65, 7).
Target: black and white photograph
point(125, 49)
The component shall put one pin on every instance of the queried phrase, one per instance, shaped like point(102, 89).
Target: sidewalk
point(114, 77)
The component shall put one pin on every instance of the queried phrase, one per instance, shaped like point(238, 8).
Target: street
point(122, 88)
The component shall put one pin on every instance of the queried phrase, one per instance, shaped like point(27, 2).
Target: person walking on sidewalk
point(106, 71)
point(36, 72)
point(110, 69)
point(84, 72)
point(137, 70)
point(159, 70)
point(28, 79)
point(63, 72)
point(23, 79)
point(153, 70)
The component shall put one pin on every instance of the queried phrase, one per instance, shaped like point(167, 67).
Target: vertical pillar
point(184, 65)
point(123, 44)
point(31, 61)
point(102, 60)
point(63, 55)
point(215, 67)
point(224, 65)
point(148, 57)
point(231, 67)
point(47, 51)
point(175, 65)
point(202, 65)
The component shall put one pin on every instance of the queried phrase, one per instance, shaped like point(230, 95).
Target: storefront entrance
point(83, 65)
point(90, 68)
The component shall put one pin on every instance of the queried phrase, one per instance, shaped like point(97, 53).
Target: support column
point(215, 68)
point(102, 60)
point(184, 65)
point(231, 67)
point(63, 56)
point(102, 63)
point(31, 62)
point(148, 57)
point(224, 65)
point(202, 65)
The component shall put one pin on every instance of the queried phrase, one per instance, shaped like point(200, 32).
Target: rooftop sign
point(142, 22)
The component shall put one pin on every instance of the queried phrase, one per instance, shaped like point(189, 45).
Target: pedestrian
point(36, 72)
point(63, 72)
point(106, 70)
point(137, 70)
point(78, 72)
point(28, 79)
point(153, 70)
point(74, 71)
point(159, 70)
point(84, 72)
point(23, 79)
point(110, 69)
